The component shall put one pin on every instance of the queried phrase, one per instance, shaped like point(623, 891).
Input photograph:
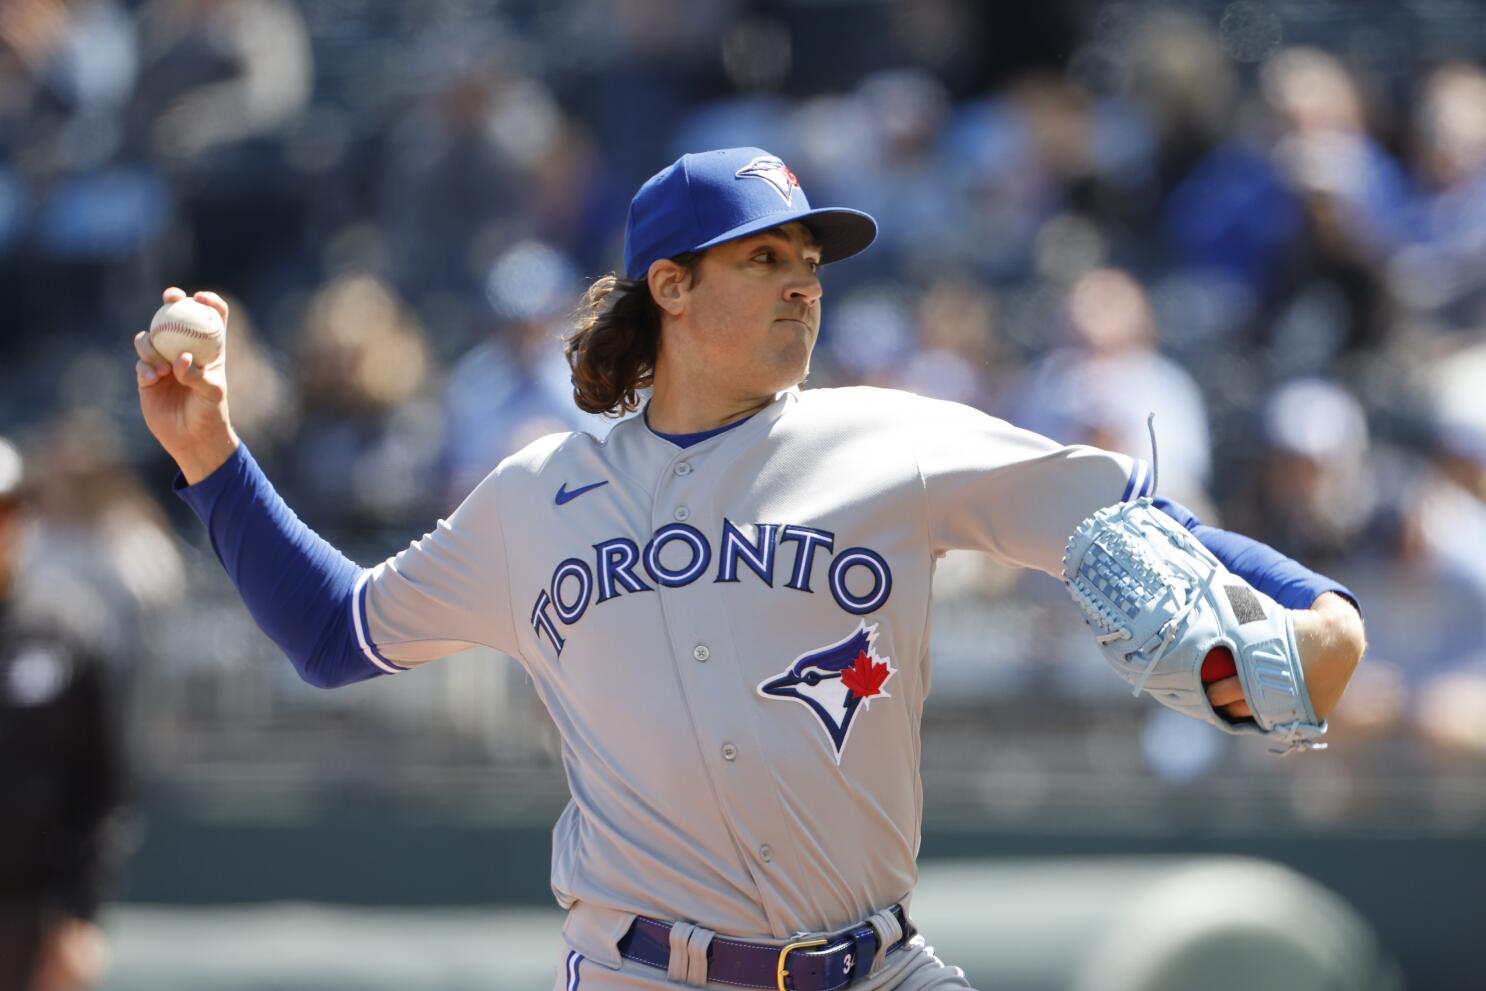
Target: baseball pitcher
point(724, 604)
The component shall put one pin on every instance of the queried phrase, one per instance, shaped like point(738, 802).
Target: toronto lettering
point(677, 555)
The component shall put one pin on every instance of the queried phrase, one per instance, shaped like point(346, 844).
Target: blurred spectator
point(1325, 149)
point(957, 354)
point(61, 772)
point(865, 337)
point(1428, 620)
point(1448, 521)
point(1101, 389)
point(1329, 297)
point(884, 160)
point(1446, 531)
point(651, 61)
point(101, 559)
point(222, 84)
point(371, 431)
point(68, 69)
point(514, 386)
point(1317, 495)
point(1441, 268)
point(264, 408)
point(1179, 76)
point(571, 201)
point(1003, 157)
point(462, 174)
point(217, 72)
point(1226, 212)
point(69, 196)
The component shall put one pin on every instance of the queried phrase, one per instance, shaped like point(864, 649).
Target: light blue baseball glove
point(1159, 603)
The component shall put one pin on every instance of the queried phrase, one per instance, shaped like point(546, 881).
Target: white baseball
point(187, 325)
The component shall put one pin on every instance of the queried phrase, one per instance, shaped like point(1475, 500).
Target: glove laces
point(1172, 629)
point(1150, 424)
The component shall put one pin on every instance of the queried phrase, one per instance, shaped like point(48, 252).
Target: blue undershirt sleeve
point(298, 588)
point(1288, 582)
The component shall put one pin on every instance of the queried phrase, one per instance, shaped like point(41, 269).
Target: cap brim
point(841, 232)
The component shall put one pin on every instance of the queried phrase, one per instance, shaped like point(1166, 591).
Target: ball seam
point(183, 329)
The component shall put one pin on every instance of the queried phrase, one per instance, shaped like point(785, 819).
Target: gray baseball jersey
point(733, 638)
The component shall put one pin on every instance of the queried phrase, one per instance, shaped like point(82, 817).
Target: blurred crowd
point(1265, 223)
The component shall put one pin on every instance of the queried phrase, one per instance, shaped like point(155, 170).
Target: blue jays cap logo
point(775, 173)
point(834, 682)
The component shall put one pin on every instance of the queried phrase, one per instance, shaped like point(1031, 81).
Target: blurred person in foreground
point(61, 778)
point(679, 759)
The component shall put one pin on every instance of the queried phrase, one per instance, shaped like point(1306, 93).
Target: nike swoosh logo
point(564, 496)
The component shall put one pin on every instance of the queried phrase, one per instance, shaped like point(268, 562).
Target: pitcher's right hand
point(185, 404)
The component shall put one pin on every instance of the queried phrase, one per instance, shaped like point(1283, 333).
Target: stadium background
point(1264, 221)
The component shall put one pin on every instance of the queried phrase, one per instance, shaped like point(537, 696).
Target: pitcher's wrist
point(200, 462)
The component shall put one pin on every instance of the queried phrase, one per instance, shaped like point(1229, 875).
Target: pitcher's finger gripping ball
point(187, 325)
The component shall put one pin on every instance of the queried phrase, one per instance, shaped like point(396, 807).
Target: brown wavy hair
point(614, 344)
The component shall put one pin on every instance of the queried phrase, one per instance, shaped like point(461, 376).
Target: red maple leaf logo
point(866, 678)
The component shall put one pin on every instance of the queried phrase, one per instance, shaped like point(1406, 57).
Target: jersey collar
point(685, 441)
point(644, 456)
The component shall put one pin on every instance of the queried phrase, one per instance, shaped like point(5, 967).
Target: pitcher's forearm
point(1331, 639)
point(296, 585)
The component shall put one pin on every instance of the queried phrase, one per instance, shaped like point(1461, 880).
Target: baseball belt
point(821, 963)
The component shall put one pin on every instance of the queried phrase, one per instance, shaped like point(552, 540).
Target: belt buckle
point(784, 955)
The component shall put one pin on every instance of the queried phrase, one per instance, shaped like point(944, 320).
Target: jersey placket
point(703, 654)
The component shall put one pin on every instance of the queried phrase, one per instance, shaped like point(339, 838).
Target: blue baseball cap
point(715, 196)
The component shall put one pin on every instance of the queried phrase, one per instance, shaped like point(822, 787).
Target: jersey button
point(729, 752)
point(684, 469)
point(766, 853)
point(701, 652)
point(681, 512)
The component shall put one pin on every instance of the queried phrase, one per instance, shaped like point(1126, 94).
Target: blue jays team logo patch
point(775, 173)
point(834, 682)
